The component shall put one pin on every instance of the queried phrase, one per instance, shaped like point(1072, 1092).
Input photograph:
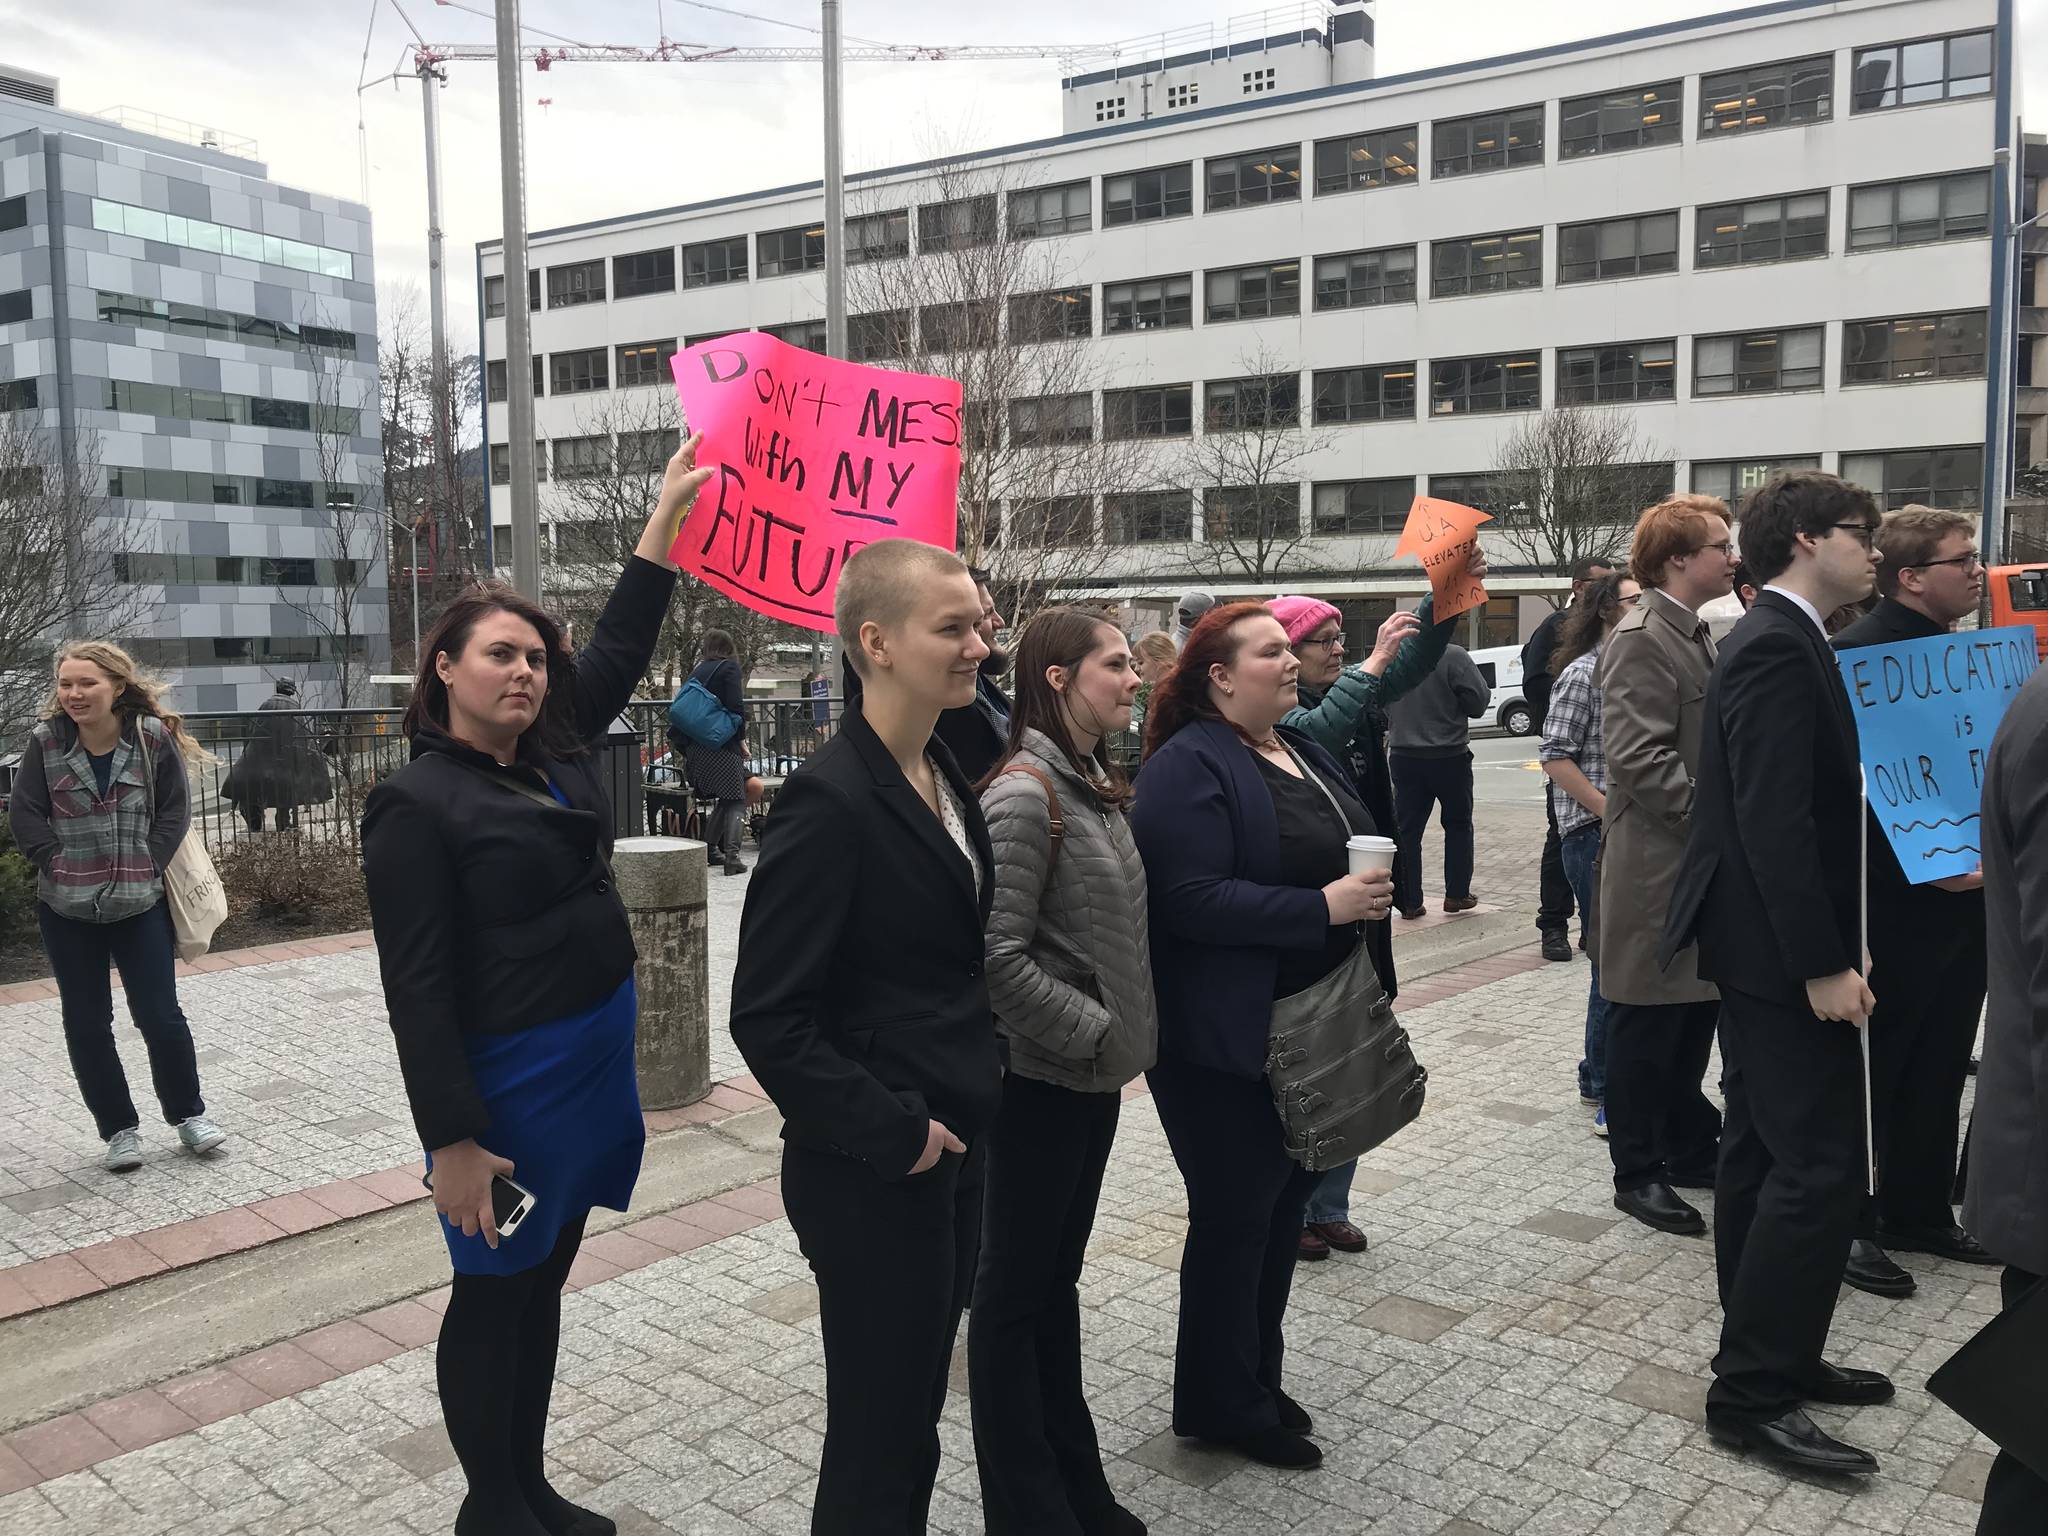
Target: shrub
point(295, 877)
point(17, 893)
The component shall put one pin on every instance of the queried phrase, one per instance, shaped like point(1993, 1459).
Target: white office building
point(1772, 237)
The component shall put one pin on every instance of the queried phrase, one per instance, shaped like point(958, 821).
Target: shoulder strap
point(1052, 805)
point(518, 787)
point(1316, 779)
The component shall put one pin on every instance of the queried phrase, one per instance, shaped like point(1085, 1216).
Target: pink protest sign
point(814, 458)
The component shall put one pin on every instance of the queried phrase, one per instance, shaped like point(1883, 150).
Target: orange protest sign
point(1442, 535)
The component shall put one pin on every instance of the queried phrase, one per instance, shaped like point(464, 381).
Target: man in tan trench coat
point(1662, 1131)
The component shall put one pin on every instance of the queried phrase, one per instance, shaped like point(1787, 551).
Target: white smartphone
point(511, 1203)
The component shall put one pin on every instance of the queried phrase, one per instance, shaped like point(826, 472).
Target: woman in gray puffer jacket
point(1070, 978)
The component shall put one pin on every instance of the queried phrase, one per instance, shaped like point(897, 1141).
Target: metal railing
point(312, 769)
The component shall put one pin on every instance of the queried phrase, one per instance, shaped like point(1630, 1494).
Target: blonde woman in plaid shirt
point(1574, 755)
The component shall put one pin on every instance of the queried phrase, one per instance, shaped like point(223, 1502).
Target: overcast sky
point(617, 138)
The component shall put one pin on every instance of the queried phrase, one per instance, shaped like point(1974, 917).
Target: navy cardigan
point(1210, 838)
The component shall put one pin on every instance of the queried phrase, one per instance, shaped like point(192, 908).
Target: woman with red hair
point(1242, 826)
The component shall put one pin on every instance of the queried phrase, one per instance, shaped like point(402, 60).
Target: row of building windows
point(1898, 349)
point(1943, 477)
point(245, 650)
point(209, 489)
point(13, 213)
point(114, 218)
point(16, 306)
point(159, 570)
point(220, 324)
point(1754, 231)
point(582, 458)
point(1777, 94)
point(235, 410)
point(17, 394)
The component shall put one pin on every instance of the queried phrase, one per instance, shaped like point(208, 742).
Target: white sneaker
point(200, 1134)
point(124, 1151)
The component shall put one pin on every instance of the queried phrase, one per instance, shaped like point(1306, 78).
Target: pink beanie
point(1302, 616)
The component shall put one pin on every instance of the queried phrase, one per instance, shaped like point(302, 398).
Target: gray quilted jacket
point(1069, 963)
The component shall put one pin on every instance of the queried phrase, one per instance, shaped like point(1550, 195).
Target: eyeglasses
point(1636, 597)
point(1863, 533)
point(1334, 643)
point(1974, 560)
point(1726, 546)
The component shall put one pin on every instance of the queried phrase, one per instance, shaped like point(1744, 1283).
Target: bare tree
point(63, 548)
point(1568, 484)
point(990, 300)
point(336, 604)
point(1247, 462)
point(598, 503)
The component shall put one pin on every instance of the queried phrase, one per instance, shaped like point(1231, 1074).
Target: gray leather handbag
point(1343, 1073)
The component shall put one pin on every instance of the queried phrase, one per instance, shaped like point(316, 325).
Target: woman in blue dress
point(508, 975)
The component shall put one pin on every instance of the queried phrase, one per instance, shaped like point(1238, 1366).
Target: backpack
point(698, 717)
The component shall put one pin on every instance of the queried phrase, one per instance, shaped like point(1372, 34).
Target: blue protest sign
point(1926, 711)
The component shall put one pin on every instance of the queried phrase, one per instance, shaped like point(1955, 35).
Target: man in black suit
point(860, 1003)
point(1769, 889)
point(1926, 945)
point(976, 733)
point(1554, 903)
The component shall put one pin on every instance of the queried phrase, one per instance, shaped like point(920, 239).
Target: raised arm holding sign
point(1443, 535)
point(814, 459)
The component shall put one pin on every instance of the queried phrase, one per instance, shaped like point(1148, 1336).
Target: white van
point(1501, 666)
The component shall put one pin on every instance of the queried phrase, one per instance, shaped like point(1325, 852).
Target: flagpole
point(1863, 969)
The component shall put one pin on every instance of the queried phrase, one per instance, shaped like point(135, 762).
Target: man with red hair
point(1662, 1131)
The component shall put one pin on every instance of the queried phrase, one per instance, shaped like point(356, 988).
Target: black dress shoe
point(1557, 944)
point(1954, 1243)
point(1659, 1206)
point(1870, 1269)
point(1293, 1417)
point(1846, 1387)
point(1275, 1447)
point(1794, 1440)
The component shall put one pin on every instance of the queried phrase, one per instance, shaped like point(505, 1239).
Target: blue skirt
point(564, 1102)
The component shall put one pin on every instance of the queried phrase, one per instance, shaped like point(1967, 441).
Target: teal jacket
point(1349, 717)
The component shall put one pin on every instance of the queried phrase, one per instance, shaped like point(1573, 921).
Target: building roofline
point(1359, 88)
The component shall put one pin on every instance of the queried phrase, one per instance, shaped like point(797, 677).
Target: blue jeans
point(1329, 1198)
point(1580, 847)
point(143, 949)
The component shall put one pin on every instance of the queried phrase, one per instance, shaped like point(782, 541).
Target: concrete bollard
point(661, 882)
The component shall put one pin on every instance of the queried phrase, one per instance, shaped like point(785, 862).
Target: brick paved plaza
point(1510, 1356)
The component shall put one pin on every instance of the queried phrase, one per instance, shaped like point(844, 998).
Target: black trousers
point(1245, 1202)
point(1925, 1023)
point(1554, 906)
point(2015, 1495)
point(144, 950)
point(1421, 784)
point(1659, 1118)
point(1786, 1202)
point(893, 1263)
point(1034, 1441)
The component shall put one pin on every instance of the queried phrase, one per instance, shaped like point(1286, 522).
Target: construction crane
point(427, 63)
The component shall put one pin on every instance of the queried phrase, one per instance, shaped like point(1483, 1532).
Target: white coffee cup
point(1370, 853)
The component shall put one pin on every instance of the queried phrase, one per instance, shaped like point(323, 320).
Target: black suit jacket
point(1768, 885)
point(859, 1000)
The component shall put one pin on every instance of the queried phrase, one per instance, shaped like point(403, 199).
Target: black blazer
point(494, 913)
point(1210, 838)
point(1768, 885)
point(859, 1000)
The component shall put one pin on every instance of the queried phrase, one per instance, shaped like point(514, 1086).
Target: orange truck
point(2019, 595)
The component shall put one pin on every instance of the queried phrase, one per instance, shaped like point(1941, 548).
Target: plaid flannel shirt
point(1572, 731)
